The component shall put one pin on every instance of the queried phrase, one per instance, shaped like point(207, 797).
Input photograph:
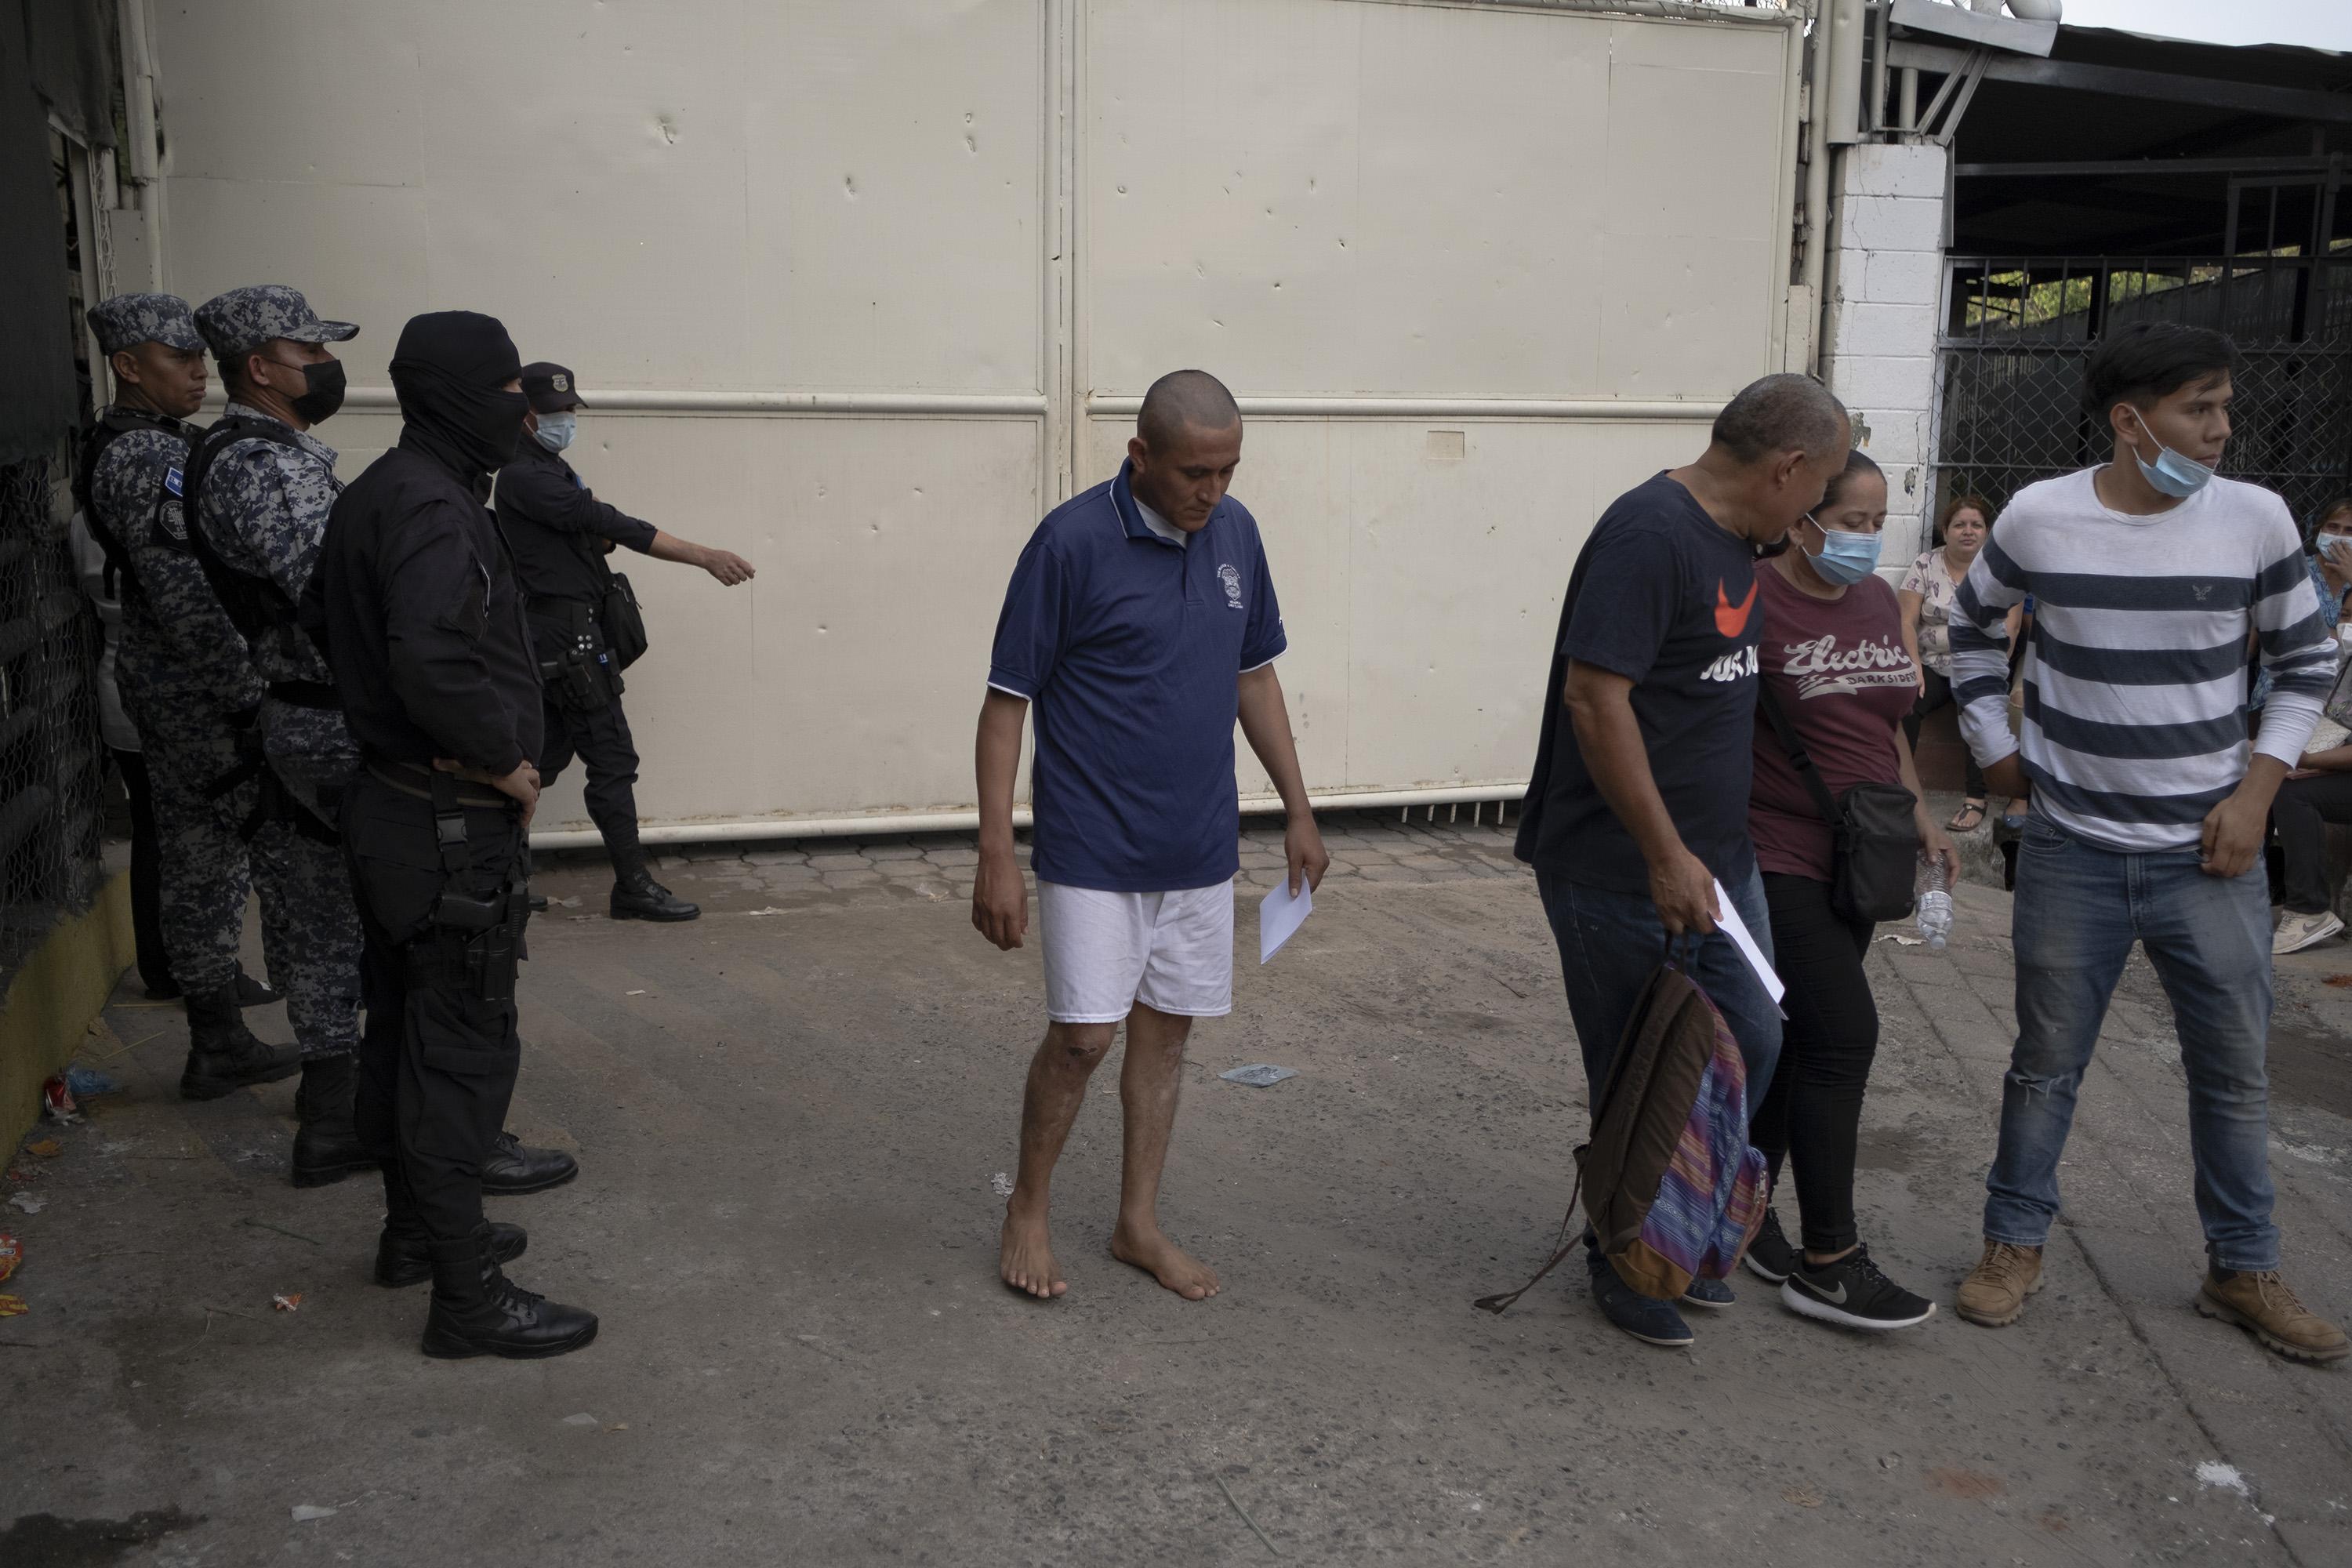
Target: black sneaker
point(1769, 1256)
point(1851, 1293)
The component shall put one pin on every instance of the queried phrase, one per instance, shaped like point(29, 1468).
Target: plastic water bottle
point(1936, 908)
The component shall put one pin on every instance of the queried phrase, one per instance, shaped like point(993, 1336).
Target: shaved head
point(1184, 400)
point(1187, 443)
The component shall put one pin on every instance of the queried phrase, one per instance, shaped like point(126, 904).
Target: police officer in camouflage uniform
point(185, 679)
point(259, 487)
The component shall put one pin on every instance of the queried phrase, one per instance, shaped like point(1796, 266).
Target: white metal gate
point(860, 287)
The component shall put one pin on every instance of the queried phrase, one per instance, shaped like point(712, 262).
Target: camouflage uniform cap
point(242, 320)
point(126, 321)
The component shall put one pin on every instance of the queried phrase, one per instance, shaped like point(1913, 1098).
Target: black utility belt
point(410, 779)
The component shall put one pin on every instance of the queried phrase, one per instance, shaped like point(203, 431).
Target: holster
point(480, 938)
point(580, 675)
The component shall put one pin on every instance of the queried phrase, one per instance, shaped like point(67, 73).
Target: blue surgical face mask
point(555, 430)
point(2171, 474)
point(1844, 558)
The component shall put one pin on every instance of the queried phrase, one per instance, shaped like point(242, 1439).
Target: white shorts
point(1106, 951)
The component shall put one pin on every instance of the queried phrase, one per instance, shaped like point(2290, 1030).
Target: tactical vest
point(255, 605)
point(103, 432)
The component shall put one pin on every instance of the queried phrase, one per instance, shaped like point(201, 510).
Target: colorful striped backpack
point(1670, 1185)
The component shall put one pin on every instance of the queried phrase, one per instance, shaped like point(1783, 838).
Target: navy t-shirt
point(1665, 597)
point(1130, 647)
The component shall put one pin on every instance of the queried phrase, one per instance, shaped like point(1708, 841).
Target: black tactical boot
point(511, 1171)
point(403, 1254)
point(224, 1056)
point(252, 992)
point(537, 902)
point(478, 1311)
point(327, 1147)
point(637, 896)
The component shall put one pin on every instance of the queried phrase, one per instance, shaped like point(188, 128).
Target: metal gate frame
point(2017, 333)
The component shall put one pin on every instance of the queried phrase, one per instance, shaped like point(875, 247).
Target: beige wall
point(861, 308)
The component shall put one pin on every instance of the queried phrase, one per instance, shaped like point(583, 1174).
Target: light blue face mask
point(555, 430)
point(1845, 558)
point(2171, 474)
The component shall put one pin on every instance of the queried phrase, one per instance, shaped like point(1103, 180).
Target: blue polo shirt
point(1130, 647)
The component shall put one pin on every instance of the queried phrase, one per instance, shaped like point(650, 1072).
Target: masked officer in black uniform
point(416, 605)
point(585, 628)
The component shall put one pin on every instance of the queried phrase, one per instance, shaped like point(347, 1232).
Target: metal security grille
point(2018, 331)
point(49, 757)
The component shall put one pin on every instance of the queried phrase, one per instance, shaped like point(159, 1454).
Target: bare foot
point(1025, 1260)
point(1164, 1261)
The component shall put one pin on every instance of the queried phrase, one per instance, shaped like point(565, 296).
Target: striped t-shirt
point(2135, 725)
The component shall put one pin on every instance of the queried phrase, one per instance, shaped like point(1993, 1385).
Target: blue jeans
point(1609, 945)
point(2079, 908)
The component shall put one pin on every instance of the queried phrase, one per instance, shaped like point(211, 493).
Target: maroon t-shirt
point(1838, 669)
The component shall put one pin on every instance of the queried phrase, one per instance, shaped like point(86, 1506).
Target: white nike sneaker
point(2297, 931)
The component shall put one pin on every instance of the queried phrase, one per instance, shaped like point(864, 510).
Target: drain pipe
point(1817, 181)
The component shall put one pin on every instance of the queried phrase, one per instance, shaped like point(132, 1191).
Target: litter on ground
point(1258, 1075)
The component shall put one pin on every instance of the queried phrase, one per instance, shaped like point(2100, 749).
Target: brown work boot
point(1994, 1292)
point(2265, 1306)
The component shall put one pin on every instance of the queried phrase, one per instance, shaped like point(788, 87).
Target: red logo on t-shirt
point(1731, 619)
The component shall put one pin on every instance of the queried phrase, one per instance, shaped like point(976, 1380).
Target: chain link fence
point(51, 760)
point(2019, 332)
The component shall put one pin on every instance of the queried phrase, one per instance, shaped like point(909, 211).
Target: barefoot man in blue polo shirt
point(1141, 622)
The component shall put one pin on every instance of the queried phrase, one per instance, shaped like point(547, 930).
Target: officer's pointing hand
point(727, 566)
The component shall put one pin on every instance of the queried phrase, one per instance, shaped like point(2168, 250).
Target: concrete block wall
point(1887, 284)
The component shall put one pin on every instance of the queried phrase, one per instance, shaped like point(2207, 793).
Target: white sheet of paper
point(1280, 915)
point(1737, 929)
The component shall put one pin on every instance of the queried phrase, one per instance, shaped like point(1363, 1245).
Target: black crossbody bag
point(1874, 861)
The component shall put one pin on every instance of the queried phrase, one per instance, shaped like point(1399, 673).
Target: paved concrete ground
point(790, 1115)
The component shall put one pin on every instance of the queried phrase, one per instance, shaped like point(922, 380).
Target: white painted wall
point(863, 287)
point(1886, 295)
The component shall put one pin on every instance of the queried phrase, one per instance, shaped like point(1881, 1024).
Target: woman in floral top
point(1926, 594)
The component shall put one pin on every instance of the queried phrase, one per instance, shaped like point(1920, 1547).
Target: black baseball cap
point(549, 387)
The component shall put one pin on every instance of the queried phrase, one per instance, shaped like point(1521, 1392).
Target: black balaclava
point(448, 370)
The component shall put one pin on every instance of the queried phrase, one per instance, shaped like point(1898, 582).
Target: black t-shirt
point(1665, 597)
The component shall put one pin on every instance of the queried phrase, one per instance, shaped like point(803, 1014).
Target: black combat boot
point(637, 896)
point(252, 992)
point(511, 1171)
point(224, 1056)
point(478, 1311)
point(327, 1147)
point(403, 1254)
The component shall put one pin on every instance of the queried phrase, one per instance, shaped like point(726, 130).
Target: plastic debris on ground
point(84, 1083)
point(58, 1102)
point(13, 1307)
point(12, 1254)
point(287, 1303)
point(999, 1184)
point(304, 1512)
point(28, 1202)
point(1259, 1075)
point(46, 1149)
point(581, 1419)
